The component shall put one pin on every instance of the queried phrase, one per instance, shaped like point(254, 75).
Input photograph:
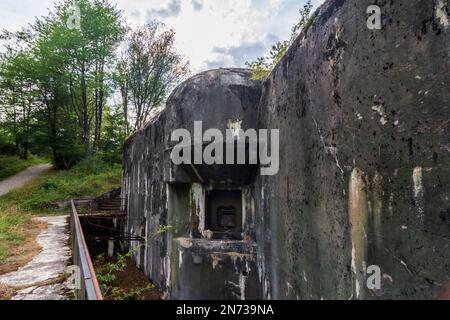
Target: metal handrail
point(89, 287)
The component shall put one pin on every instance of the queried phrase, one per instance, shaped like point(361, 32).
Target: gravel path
point(22, 178)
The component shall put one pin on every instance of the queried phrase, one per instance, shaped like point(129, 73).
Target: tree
point(120, 80)
point(52, 73)
point(149, 69)
point(114, 135)
point(90, 52)
point(18, 91)
point(51, 80)
point(263, 66)
point(108, 31)
point(56, 77)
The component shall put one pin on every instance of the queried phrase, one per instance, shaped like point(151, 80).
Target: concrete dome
point(215, 97)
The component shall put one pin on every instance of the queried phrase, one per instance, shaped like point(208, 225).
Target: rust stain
point(446, 294)
point(195, 219)
point(358, 220)
point(378, 208)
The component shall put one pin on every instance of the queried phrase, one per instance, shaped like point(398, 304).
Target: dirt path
point(42, 278)
point(22, 178)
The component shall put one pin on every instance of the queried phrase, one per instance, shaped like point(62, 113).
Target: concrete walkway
point(41, 278)
point(20, 179)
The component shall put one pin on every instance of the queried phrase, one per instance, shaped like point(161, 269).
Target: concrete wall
point(364, 172)
point(144, 198)
point(184, 262)
point(364, 177)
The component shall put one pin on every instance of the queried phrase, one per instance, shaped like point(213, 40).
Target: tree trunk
point(99, 104)
point(85, 115)
point(53, 135)
point(25, 150)
point(124, 92)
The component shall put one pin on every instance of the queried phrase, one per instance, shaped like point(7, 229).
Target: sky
point(210, 33)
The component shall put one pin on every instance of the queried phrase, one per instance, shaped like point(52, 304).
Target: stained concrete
point(157, 193)
point(364, 178)
point(364, 171)
point(47, 266)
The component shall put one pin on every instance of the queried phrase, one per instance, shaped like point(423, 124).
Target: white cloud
point(173, 9)
point(210, 33)
point(16, 14)
point(197, 4)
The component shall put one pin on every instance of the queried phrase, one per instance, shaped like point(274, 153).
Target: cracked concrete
point(32, 280)
point(50, 292)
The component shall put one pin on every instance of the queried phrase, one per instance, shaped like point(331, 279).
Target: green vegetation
point(109, 273)
point(263, 66)
point(10, 165)
point(90, 178)
point(11, 230)
point(113, 272)
point(58, 78)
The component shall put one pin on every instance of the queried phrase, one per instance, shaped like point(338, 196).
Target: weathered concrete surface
point(364, 172)
point(156, 193)
point(49, 265)
point(227, 266)
point(50, 292)
point(364, 179)
point(20, 179)
point(214, 97)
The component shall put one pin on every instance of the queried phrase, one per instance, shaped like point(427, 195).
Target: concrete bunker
point(212, 241)
point(218, 251)
point(353, 190)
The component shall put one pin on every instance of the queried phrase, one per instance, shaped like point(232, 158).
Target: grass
point(11, 230)
point(10, 165)
point(90, 178)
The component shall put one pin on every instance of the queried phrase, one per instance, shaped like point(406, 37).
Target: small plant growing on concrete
point(107, 273)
